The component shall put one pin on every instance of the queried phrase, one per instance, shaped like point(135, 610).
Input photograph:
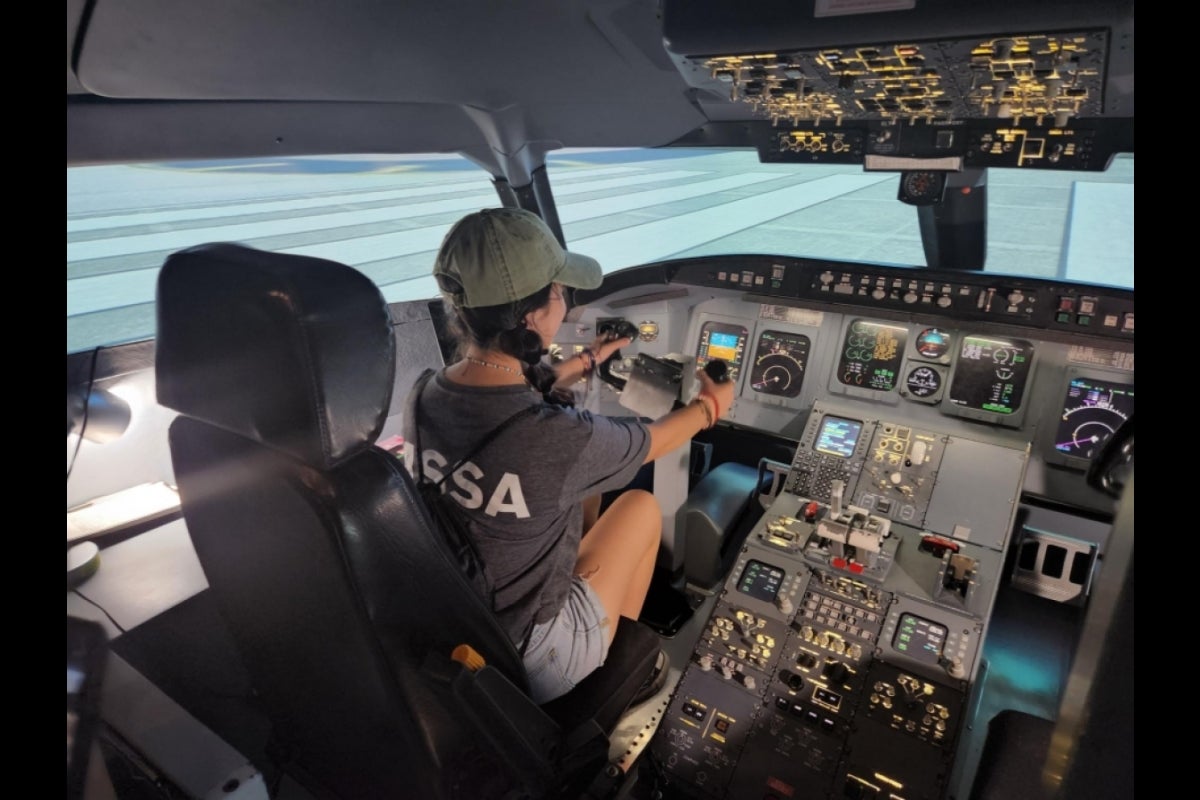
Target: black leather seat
point(341, 598)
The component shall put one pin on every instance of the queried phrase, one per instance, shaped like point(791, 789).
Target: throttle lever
point(718, 370)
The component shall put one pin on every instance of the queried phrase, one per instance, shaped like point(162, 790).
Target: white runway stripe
point(320, 220)
point(664, 238)
point(442, 186)
point(614, 250)
point(364, 249)
point(661, 239)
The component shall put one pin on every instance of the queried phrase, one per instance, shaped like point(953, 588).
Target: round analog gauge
point(923, 382)
point(933, 343)
point(779, 363)
point(921, 187)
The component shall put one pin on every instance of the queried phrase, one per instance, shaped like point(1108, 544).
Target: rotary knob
point(784, 604)
point(910, 297)
point(878, 294)
point(944, 301)
point(835, 671)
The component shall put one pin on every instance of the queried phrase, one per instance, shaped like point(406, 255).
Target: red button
point(810, 510)
point(856, 568)
point(840, 563)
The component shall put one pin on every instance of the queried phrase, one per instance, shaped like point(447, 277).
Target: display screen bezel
point(821, 441)
point(712, 327)
point(761, 587)
point(875, 365)
point(1050, 451)
point(967, 369)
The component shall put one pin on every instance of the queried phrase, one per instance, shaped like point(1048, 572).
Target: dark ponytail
point(501, 327)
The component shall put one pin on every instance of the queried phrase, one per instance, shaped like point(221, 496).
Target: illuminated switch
point(1066, 304)
point(1127, 325)
point(1062, 317)
point(1087, 306)
point(1084, 319)
point(1110, 320)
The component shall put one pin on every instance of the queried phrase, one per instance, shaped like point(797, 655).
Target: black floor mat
point(187, 653)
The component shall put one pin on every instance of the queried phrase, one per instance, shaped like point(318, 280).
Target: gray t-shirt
point(522, 492)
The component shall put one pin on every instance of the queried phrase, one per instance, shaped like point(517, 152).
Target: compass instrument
point(1092, 411)
point(779, 363)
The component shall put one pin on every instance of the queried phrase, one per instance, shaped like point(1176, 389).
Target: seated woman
point(557, 593)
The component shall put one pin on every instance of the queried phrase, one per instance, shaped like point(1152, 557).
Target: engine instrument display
point(991, 374)
point(871, 355)
point(761, 581)
point(779, 362)
point(724, 341)
point(838, 436)
point(1092, 410)
point(920, 639)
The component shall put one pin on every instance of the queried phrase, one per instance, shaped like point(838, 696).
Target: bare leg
point(617, 557)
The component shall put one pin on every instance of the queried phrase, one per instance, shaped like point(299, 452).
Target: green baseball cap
point(500, 255)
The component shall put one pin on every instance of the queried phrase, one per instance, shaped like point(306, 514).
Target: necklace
point(502, 367)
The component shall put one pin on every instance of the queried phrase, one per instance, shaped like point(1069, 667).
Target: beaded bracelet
point(716, 412)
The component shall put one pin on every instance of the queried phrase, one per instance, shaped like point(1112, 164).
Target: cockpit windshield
point(386, 216)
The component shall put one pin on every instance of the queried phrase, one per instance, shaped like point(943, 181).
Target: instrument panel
point(1045, 364)
point(840, 655)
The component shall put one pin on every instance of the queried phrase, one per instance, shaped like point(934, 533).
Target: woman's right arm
point(677, 428)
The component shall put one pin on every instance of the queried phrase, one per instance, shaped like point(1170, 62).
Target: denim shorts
point(565, 650)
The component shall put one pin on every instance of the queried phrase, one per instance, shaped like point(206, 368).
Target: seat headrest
point(294, 352)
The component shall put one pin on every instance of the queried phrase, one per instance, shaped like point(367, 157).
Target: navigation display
point(991, 374)
point(724, 341)
point(779, 362)
point(871, 355)
point(761, 581)
point(837, 436)
point(1092, 410)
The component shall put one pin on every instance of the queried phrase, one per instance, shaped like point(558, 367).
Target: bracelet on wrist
point(716, 409)
point(589, 360)
point(708, 414)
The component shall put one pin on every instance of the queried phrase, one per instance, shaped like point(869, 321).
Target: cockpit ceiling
point(608, 72)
